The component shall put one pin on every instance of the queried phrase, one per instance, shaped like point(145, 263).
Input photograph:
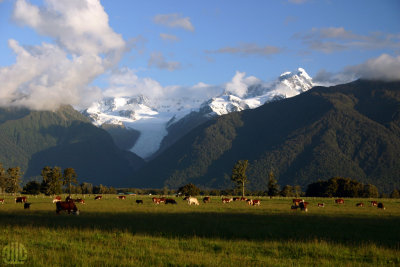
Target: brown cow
point(121, 197)
point(158, 200)
point(380, 206)
point(207, 199)
point(256, 202)
point(303, 206)
point(296, 201)
point(56, 199)
point(98, 197)
point(227, 200)
point(243, 199)
point(20, 199)
point(339, 201)
point(249, 202)
point(68, 206)
point(374, 203)
point(360, 204)
point(321, 205)
point(80, 200)
point(236, 198)
point(2, 200)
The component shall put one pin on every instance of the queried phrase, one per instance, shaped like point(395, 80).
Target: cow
point(207, 199)
point(80, 200)
point(68, 206)
point(98, 197)
point(27, 205)
point(321, 205)
point(256, 202)
point(243, 199)
point(56, 199)
point(158, 200)
point(236, 198)
point(296, 201)
point(374, 203)
point(339, 201)
point(20, 199)
point(121, 197)
point(303, 206)
point(227, 200)
point(139, 201)
point(360, 204)
point(380, 206)
point(250, 202)
point(170, 201)
point(186, 198)
point(2, 200)
point(193, 200)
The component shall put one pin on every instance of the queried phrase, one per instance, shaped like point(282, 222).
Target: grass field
point(113, 232)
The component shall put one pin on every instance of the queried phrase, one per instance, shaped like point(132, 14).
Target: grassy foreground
point(113, 232)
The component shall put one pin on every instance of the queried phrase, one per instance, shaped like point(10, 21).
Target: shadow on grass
point(229, 226)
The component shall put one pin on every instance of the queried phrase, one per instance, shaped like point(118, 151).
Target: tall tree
point(31, 188)
point(86, 188)
point(189, 190)
point(52, 180)
point(3, 179)
point(273, 186)
point(13, 180)
point(239, 174)
point(69, 178)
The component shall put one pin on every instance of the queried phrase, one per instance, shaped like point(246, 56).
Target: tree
point(69, 178)
point(370, 190)
point(287, 191)
point(86, 188)
point(3, 179)
point(395, 194)
point(52, 181)
point(189, 190)
point(32, 188)
point(13, 180)
point(239, 174)
point(273, 187)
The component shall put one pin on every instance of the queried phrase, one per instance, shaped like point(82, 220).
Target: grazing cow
point(321, 205)
point(139, 201)
point(250, 202)
point(56, 199)
point(20, 200)
point(296, 201)
point(186, 198)
point(236, 198)
point(339, 201)
point(158, 200)
point(98, 197)
point(170, 201)
point(193, 200)
point(227, 200)
point(2, 200)
point(27, 205)
point(374, 203)
point(256, 202)
point(80, 200)
point(303, 206)
point(68, 206)
point(243, 199)
point(121, 197)
point(380, 206)
point(207, 199)
point(360, 204)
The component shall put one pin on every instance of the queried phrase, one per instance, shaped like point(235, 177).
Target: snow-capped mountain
point(152, 117)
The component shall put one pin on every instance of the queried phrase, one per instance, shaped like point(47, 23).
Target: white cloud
point(248, 49)
point(174, 21)
point(169, 37)
point(157, 59)
point(385, 67)
point(48, 75)
point(239, 84)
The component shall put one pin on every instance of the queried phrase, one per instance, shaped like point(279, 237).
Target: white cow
point(192, 200)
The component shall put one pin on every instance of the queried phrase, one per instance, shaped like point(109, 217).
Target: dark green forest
point(350, 130)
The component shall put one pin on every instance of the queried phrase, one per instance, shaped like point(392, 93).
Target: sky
point(74, 52)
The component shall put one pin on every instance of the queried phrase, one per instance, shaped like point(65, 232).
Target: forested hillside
point(65, 138)
point(350, 130)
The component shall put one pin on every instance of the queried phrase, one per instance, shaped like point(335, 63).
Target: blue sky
point(182, 43)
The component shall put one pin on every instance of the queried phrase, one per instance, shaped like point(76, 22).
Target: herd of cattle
point(70, 206)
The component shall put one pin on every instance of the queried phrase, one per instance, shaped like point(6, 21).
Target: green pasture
point(113, 232)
